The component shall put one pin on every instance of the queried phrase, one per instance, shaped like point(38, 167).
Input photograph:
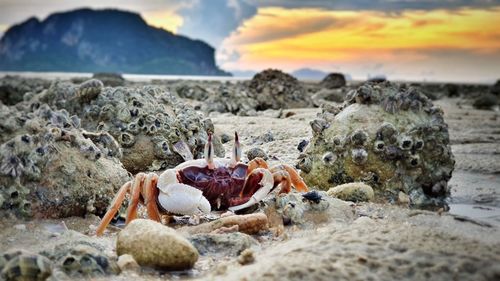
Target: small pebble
point(246, 257)
point(127, 262)
point(403, 198)
point(267, 137)
point(21, 227)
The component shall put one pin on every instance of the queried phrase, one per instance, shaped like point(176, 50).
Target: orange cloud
point(288, 38)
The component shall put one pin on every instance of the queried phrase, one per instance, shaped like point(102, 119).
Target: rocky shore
point(425, 211)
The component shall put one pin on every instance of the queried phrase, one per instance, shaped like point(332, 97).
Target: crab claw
point(257, 186)
point(209, 152)
point(182, 199)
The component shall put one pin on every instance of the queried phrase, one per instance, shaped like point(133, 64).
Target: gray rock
point(333, 81)
point(226, 244)
point(21, 265)
point(155, 245)
point(78, 255)
point(354, 191)
point(255, 152)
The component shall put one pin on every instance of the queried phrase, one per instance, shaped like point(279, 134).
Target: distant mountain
point(309, 74)
point(88, 40)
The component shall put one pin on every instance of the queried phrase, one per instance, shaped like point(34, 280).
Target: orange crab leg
point(282, 177)
point(135, 197)
point(114, 207)
point(150, 193)
point(256, 163)
point(296, 180)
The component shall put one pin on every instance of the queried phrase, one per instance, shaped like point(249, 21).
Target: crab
point(201, 185)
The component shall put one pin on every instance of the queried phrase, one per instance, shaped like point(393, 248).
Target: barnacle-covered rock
point(225, 244)
point(306, 209)
point(195, 92)
point(328, 96)
point(333, 81)
point(388, 136)
point(235, 98)
point(77, 255)
point(22, 265)
point(50, 168)
point(13, 88)
point(275, 89)
point(269, 89)
point(155, 129)
point(110, 79)
point(84, 260)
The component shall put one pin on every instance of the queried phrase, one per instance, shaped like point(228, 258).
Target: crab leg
point(295, 179)
point(209, 152)
point(114, 207)
point(257, 185)
point(236, 157)
point(135, 196)
point(150, 193)
point(282, 178)
point(256, 163)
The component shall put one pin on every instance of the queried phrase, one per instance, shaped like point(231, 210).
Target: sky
point(433, 40)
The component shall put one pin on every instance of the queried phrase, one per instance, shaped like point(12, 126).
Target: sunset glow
point(410, 40)
point(166, 19)
point(293, 38)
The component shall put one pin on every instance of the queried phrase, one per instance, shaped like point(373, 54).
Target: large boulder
point(155, 129)
point(389, 136)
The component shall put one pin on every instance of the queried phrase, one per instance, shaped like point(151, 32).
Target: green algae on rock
point(389, 136)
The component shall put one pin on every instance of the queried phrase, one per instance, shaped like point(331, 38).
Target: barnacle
point(89, 90)
point(359, 137)
point(126, 139)
point(405, 142)
point(12, 166)
point(329, 158)
point(359, 156)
